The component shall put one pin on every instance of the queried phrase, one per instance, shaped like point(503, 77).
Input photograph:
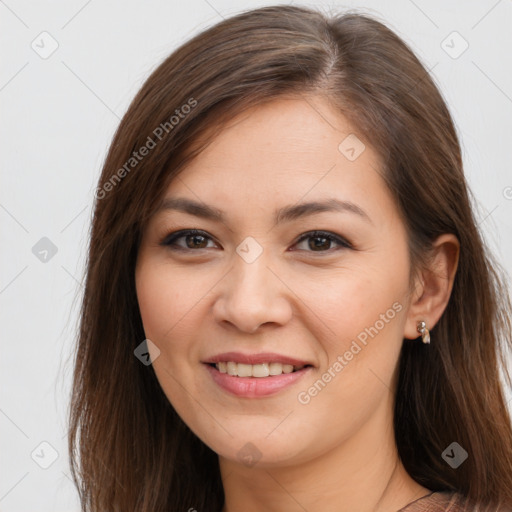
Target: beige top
point(446, 502)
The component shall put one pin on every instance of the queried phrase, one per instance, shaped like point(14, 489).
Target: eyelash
point(170, 239)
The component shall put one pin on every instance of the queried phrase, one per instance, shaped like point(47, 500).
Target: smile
point(251, 386)
point(255, 370)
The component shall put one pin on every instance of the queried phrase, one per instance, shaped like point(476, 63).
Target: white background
point(58, 117)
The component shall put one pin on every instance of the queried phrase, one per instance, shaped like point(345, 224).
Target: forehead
point(284, 151)
point(300, 130)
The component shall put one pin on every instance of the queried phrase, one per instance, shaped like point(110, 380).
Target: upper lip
point(266, 357)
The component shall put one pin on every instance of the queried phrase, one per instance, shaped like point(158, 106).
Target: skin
point(337, 452)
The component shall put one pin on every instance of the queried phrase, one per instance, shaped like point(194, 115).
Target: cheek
point(164, 300)
point(154, 302)
point(352, 300)
point(357, 378)
point(361, 313)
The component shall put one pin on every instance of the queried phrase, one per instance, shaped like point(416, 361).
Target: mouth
point(255, 380)
point(270, 369)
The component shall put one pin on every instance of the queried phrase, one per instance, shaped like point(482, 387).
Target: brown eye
point(320, 241)
point(194, 239)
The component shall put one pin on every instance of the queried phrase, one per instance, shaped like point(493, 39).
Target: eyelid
point(342, 242)
point(175, 235)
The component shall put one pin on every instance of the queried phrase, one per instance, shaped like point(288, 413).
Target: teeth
point(276, 368)
point(255, 370)
point(244, 370)
point(258, 370)
point(232, 368)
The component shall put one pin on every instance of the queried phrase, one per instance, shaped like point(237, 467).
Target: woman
point(288, 304)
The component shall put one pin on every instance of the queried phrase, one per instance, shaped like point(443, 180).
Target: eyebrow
point(282, 215)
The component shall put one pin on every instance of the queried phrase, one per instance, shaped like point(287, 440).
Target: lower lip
point(251, 387)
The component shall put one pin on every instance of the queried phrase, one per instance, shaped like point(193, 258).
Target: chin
point(253, 445)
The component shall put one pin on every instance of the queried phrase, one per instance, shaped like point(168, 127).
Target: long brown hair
point(129, 449)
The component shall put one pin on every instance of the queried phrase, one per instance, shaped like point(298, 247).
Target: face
point(274, 282)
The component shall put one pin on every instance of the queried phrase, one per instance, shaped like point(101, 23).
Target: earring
point(425, 333)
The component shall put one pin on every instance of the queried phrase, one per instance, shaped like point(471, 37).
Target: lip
point(266, 357)
point(253, 387)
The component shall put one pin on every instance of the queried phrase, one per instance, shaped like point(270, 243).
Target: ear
point(433, 285)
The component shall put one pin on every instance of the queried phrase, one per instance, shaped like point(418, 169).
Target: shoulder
point(448, 501)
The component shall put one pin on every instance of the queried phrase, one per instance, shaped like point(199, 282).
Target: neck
point(362, 473)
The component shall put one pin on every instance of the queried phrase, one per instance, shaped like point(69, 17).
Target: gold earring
point(425, 333)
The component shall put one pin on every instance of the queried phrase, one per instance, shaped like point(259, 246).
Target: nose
point(252, 294)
